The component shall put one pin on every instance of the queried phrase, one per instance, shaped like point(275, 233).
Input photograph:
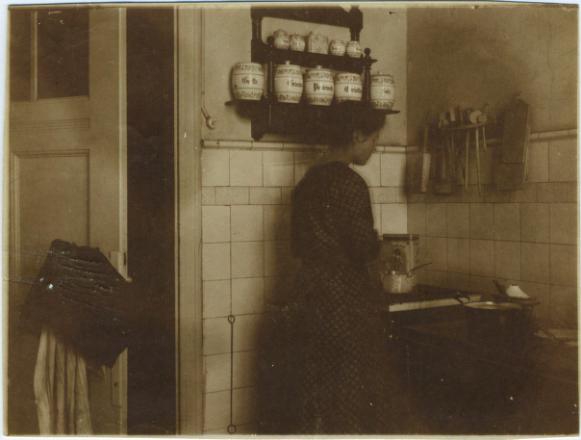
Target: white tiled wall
point(528, 236)
point(246, 253)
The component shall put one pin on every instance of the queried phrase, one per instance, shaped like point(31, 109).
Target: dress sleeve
point(359, 237)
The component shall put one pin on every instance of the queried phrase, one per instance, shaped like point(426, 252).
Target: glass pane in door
point(63, 52)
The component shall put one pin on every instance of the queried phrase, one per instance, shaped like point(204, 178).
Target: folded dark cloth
point(83, 299)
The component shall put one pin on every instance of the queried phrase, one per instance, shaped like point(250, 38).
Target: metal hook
point(210, 122)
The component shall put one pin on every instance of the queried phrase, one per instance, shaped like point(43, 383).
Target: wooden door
point(67, 180)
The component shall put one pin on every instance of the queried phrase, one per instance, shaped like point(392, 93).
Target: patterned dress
point(342, 372)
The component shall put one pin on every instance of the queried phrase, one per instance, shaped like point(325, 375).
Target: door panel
point(67, 171)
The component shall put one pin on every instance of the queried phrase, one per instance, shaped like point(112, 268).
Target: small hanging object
point(210, 122)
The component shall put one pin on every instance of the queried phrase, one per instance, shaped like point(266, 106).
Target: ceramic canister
point(337, 47)
point(348, 87)
point(288, 83)
point(319, 86)
point(297, 43)
point(382, 91)
point(247, 81)
point(354, 49)
point(317, 43)
point(281, 39)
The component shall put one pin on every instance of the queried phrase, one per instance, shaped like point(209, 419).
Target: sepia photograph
point(291, 219)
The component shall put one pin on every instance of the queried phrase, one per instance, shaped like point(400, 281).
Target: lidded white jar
point(353, 49)
point(317, 43)
point(348, 87)
point(297, 43)
point(281, 39)
point(382, 91)
point(319, 86)
point(247, 81)
point(288, 83)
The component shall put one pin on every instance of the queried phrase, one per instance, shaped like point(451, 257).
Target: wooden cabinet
point(462, 386)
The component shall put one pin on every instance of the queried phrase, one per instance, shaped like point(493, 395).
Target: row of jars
point(319, 86)
point(316, 43)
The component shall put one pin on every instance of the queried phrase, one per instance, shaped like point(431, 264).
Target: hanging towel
point(61, 388)
point(82, 298)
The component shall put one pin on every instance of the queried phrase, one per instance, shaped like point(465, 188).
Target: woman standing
point(342, 367)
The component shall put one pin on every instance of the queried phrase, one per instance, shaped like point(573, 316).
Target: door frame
point(188, 230)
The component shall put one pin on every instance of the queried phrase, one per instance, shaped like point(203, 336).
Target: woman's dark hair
point(347, 117)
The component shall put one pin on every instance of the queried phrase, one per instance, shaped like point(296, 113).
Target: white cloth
point(61, 388)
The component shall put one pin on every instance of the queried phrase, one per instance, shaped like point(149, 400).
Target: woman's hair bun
point(346, 118)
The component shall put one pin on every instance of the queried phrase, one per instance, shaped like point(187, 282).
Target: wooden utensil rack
point(457, 156)
point(303, 121)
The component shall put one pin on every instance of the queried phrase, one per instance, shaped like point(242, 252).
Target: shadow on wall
point(471, 56)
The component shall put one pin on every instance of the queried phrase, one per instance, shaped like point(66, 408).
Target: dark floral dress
point(342, 373)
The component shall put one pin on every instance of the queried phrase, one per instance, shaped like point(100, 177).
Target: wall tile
point(216, 298)
point(482, 257)
point(507, 260)
point(232, 196)
point(244, 405)
point(563, 307)
point(527, 194)
point(458, 255)
point(246, 168)
point(217, 372)
point(534, 222)
point(265, 196)
point(303, 161)
point(436, 223)
point(563, 264)
point(534, 262)
point(435, 278)
point(278, 168)
point(216, 410)
point(482, 284)
point(436, 250)
point(507, 221)
point(247, 295)
point(287, 195)
point(417, 218)
point(278, 259)
point(215, 168)
point(247, 224)
point(564, 223)
point(563, 160)
point(371, 171)
point(246, 332)
point(376, 212)
point(216, 336)
point(277, 221)
point(482, 221)
point(247, 259)
point(557, 192)
point(209, 196)
point(384, 194)
point(459, 281)
point(538, 162)
point(394, 218)
point(393, 169)
point(245, 368)
point(215, 224)
point(458, 219)
point(216, 261)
